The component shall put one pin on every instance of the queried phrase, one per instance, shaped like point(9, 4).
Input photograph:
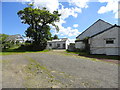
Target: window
point(50, 45)
point(64, 46)
point(58, 45)
point(109, 41)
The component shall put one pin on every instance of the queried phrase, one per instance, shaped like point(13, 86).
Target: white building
point(15, 38)
point(106, 42)
point(58, 43)
point(102, 38)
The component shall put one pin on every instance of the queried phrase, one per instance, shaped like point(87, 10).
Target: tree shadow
point(96, 56)
point(20, 49)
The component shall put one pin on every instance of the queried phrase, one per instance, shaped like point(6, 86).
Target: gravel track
point(57, 69)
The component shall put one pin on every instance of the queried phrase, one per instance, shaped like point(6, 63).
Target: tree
point(55, 37)
point(3, 42)
point(3, 37)
point(39, 21)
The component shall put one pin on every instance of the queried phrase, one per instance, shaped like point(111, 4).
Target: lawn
point(14, 50)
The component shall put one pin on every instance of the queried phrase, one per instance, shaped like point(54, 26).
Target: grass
point(82, 53)
point(14, 50)
point(36, 65)
point(95, 56)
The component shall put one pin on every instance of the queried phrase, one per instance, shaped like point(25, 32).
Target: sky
point(76, 15)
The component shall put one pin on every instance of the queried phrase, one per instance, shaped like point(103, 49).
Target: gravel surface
point(57, 69)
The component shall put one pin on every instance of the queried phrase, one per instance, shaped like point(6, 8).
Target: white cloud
point(68, 31)
point(51, 5)
point(73, 11)
point(79, 3)
point(117, 14)
point(66, 12)
point(112, 5)
point(75, 25)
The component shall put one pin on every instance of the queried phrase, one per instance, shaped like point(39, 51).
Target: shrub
point(31, 47)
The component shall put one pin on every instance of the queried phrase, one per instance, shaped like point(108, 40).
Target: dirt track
point(56, 69)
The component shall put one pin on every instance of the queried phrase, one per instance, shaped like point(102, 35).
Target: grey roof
point(14, 37)
point(106, 30)
point(92, 25)
point(59, 40)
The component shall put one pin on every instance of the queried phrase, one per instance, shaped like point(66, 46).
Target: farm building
point(101, 37)
point(106, 42)
point(58, 43)
point(15, 38)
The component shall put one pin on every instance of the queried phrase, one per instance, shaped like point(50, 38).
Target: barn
point(103, 38)
point(106, 42)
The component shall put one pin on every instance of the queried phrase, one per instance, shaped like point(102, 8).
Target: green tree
point(39, 21)
point(3, 37)
point(55, 37)
point(3, 42)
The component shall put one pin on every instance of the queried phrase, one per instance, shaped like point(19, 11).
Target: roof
point(106, 30)
point(14, 37)
point(78, 40)
point(94, 24)
point(64, 39)
point(59, 40)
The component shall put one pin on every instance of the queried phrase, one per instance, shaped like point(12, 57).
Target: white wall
point(119, 41)
point(54, 44)
point(98, 43)
point(94, 29)
point(79, 45)
point(67, 43)
point(61, 44)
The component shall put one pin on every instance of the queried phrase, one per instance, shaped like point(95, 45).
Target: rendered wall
point(98, 43)
point(79, 45)
point(54, 44)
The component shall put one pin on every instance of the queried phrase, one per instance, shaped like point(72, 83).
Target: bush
point(32, 47)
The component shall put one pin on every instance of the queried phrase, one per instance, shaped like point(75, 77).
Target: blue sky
point(83, 17)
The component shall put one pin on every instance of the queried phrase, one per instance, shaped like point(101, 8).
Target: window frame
point(58, 45)
point(110, 41)
point(50, 44)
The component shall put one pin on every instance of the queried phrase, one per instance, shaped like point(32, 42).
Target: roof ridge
point(92, 25)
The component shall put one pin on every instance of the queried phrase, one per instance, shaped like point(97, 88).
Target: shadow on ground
point(102, 56)
point(96, 56)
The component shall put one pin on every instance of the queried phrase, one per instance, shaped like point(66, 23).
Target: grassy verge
point(82, 53)
point(13, 51)
point(95, 56)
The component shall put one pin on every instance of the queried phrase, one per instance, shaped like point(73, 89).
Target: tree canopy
point(39, 21)
point(3, 42)
point(55, 37)
point(3, 38)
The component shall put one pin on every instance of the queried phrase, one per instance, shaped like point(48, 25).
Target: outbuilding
point(106, 42)
point(100, 38)
point(61, 43)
